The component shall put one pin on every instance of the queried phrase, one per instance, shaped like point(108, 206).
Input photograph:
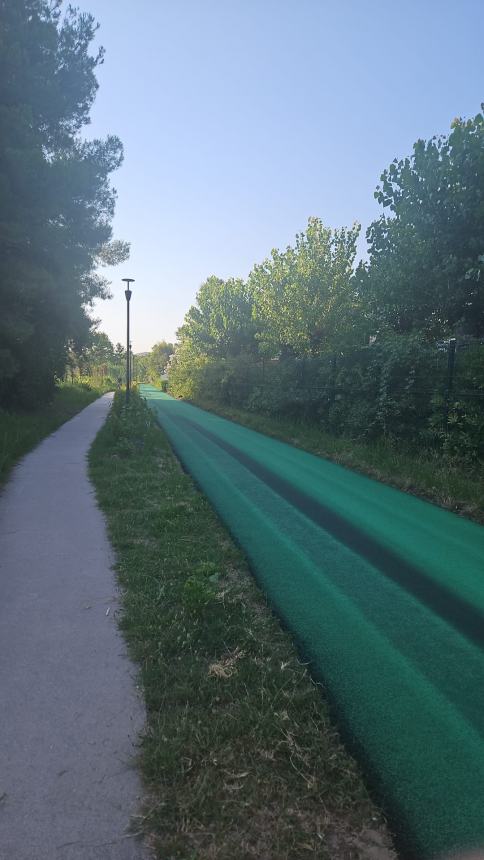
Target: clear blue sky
point(241, 118)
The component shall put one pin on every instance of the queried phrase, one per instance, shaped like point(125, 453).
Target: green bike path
point(384, 594)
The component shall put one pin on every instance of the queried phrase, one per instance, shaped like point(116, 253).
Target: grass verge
point(423, 473)
point(239, 757)
point(21, 431)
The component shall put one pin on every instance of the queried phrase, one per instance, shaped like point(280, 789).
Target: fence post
point(302, 372)
point(332, 392)
point(450, 379)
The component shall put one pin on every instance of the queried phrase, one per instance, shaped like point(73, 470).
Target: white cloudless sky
point(242, 118)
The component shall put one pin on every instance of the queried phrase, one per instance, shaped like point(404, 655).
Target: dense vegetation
point(56, 200)
point(151, 366)
point(104, 362)
point(391, 347)
point(97, 359)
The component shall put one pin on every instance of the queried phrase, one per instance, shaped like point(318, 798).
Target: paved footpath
point(69, 709)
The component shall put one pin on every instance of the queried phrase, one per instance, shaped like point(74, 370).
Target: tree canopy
point(158, 359)
point(362, 351)
point(304, 299)
point(301, 300)
point(221, 323)
point(426, 257)
point(57, 203)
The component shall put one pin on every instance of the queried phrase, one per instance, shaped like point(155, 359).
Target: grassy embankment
point(239, 756)
point(21, 431)
point(424, 473)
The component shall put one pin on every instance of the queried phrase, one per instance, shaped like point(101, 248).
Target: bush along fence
point(399, 387)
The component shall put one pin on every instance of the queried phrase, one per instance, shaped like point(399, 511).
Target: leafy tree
point(141, 366)
point(426, 258)
point(56, 200)
point(186, 370)
point(306, 309)
point(99, 353)
point(97, 357)
point(221, 323)
point(158, 359)
point(304, 298)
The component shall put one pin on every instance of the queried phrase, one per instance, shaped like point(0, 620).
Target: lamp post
point(127, 293)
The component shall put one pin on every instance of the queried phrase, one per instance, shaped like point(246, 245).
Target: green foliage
point(394, 389)
point(304, 299)
point(461, 437)
point(426, 258)
point(221, 323)
point(186, 371)
point(386, 389)
point(298, 302)
point(457, 426)
point(200, 588)
point(56, 200)
point(363, 353)
point(157, 360)
point(98, 359)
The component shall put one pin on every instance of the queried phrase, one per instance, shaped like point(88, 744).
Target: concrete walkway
point(69, 709)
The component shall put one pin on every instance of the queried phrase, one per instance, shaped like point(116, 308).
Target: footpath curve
point(69, 710)
point(385, 595)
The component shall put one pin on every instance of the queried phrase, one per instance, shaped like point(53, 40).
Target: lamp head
point(127, 291)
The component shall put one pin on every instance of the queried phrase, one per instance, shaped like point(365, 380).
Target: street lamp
point(127, 293)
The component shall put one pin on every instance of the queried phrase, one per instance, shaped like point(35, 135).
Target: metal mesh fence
point(371, 385)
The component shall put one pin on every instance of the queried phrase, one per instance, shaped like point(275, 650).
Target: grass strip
point(239, 755)
point(389, 663)
point(422, 472)
point(22, 431)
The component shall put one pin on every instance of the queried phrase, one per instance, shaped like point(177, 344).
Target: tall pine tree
point(56, 201)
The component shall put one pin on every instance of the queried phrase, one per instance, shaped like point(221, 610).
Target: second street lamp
point(127, 293)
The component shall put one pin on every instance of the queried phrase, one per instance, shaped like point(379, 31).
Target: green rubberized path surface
point(384, 594)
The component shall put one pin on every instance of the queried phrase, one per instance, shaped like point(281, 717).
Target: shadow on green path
point(385, 595)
